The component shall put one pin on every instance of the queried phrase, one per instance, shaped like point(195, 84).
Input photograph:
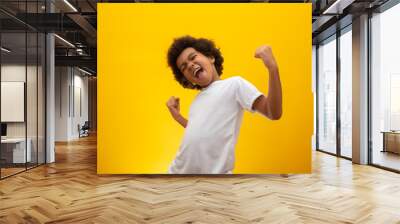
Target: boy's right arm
point(173, 107)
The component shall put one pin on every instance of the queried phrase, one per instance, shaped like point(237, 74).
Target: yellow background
point(136, 133)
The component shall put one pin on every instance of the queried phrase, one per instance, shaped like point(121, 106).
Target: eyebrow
point(184, 63)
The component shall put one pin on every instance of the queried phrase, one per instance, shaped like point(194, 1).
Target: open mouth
point(197, 72)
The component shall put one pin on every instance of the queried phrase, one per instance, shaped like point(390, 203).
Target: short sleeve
point(246, 93)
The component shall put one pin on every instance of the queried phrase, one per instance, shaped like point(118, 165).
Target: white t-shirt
point(215, 116)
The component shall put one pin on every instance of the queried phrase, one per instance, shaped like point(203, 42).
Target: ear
point(212, 59)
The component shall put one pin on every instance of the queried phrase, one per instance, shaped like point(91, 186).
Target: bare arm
point(174, 109)
point(270, 106)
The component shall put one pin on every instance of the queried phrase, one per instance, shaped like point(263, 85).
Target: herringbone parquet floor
point(70, 191)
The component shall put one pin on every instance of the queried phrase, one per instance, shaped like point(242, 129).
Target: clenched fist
point(264, 52)
point(174, 109)
point(173, 105)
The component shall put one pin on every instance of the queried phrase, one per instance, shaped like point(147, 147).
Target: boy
point(216, 113)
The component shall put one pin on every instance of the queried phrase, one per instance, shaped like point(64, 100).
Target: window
point(385, 88)
point(346, 93)
point(327, 95)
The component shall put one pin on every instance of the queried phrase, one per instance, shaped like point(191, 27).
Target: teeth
point(196, 71)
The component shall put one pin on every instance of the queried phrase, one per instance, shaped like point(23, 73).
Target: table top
point(13, 140)
point(391, 132)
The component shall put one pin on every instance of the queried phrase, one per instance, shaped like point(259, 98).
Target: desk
point(13, 150)
point(391, 141)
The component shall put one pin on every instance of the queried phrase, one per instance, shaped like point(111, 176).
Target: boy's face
point(196, 67)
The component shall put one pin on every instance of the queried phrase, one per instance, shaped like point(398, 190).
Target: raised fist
point(264, 52)
point(173, 105)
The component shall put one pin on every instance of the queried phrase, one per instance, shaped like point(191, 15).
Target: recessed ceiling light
point(64, 40)
point(84, 71)
point(71, 6)
point(5, 50)
point(337, 7)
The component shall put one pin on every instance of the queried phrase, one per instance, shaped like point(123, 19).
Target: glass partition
point(14, 153)
point(22, 77)
point(327, 95)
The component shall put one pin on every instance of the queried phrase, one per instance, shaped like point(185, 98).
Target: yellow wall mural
point(136, 133)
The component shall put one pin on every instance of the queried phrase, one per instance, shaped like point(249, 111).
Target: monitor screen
point(3, 129)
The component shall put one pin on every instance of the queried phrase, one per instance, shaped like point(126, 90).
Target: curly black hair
point(204, 46)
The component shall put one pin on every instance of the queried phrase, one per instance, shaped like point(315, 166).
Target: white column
point(360, 90)
point(50, 99)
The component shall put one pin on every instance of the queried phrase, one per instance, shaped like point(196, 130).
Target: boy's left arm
point(271, 105)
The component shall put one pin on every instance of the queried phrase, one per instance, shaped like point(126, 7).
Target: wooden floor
point(5, 172)
point(8, 171)
point(70, 191)
point(387, 159)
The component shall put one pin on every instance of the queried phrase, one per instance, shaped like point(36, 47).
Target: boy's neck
point(215, 75)
point(215, 78)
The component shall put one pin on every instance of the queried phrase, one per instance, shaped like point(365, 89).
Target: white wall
point(81, 84)
point(71, 87)
point(62, 81)
point(314, 90)
point(16, 72)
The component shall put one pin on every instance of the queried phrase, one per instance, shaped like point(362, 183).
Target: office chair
point(84, 130)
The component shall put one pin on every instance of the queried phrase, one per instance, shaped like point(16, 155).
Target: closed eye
point(183, 67)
